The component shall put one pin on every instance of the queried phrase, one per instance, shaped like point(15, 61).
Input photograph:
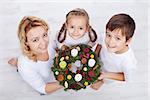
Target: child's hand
point(102, 76)
point(97, 85)
point(97, 49)
point(64, 47)
point(99, 82)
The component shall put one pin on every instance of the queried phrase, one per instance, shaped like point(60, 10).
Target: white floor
point(12, 87)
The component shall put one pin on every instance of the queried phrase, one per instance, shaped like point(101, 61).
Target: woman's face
point(76, 26)
point(37, 40)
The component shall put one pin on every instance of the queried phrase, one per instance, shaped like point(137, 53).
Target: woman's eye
point(35, 40)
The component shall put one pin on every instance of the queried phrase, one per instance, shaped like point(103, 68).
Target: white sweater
point(125, 62)
point(37, 74)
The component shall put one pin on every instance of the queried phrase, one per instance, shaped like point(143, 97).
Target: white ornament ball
point(78, 77)
point(74, 52)
point(91, 62)
point(56, 73)
point(85, 68)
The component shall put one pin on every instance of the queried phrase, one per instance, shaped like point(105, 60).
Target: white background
point(53, 12)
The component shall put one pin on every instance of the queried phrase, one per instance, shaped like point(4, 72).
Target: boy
point(117, 56)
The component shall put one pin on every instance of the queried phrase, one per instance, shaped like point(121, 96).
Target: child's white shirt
point(37, 74)
point(125, 62)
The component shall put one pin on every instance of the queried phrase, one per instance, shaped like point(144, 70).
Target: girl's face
point(37, 40)
point(116, 42)
point(76, 26)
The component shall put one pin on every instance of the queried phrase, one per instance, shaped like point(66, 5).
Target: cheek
point(47, 39)
point(47, 42)
point(120, 44)
point(82, 33)
point(69, 30)
point(33, 46)
point(106, 40)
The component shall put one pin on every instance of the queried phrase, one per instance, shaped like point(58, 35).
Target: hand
point(97, 85)
point(98, 49)
point(102, 76)
point(13, 61)
point(63, 47)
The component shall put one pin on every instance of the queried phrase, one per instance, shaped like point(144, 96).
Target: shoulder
point(22, 59)
point(129, 55)
point(24, 62)
point(129, 61)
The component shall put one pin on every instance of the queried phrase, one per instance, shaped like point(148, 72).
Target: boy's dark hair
point(123, 22)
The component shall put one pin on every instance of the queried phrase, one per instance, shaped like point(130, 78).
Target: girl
point(76, 30)
point(35, 62)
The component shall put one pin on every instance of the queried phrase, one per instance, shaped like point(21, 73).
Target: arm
point(98, 49)
point(37, 82)
point(34, 79)
point(53, 86)
point(111, 75)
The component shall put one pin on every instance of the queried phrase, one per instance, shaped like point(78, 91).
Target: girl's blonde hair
point(26, 24)
point(77, 12)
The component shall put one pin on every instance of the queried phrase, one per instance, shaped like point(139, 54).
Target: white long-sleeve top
point(125, 62)
point(37, 74)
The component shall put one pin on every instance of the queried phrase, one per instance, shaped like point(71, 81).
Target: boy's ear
point(128, 41)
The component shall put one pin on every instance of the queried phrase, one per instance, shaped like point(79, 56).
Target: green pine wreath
point(76, 67)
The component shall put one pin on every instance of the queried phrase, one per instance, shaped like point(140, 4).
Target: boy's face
point(76, 26)
point(37, 40)
point(116, 42)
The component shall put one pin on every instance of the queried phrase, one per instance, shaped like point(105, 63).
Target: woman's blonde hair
point(27, 23)
point(77, 12)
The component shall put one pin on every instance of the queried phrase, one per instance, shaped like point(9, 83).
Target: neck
point(123, 50)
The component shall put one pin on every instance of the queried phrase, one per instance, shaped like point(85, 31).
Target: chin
point(111, 50)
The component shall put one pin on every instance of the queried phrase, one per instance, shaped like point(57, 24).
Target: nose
point(111, 40)
point(42, 43)
point(75, 30)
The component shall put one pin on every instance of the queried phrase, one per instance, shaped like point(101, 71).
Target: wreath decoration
point(76, 67)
